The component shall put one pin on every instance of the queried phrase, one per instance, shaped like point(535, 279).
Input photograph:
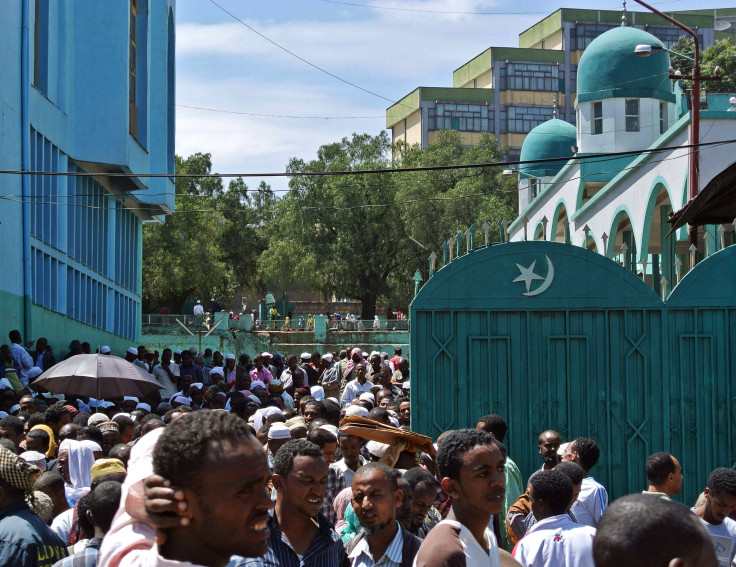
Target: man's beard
point(374, 530)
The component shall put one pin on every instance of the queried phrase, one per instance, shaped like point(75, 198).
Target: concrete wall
point(282, 342)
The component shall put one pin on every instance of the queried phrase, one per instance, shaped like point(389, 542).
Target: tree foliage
point(721, 54)
point(209, 246)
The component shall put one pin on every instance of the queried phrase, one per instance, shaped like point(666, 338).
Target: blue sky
point(388, 47)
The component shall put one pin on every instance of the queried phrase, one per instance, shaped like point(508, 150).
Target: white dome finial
point(623, 14)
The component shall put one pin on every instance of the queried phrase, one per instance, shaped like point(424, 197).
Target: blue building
point(87, 88)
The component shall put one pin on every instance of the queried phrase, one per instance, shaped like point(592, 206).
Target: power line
point(431, 11)
point(321, 69)
point(277, 115)
point(587, 157)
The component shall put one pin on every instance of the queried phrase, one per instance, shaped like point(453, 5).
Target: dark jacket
point(26, 541)
point(408, 551)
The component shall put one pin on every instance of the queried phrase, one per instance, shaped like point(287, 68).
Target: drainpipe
point(25, 158)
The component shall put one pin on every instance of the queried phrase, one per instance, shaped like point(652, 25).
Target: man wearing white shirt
point(357, 386)
point(555, 540)
point(593, 498)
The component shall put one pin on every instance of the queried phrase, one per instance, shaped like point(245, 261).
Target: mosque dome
point(554, 138)
point(609, 68)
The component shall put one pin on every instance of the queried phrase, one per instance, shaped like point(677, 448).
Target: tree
point(436, 205)
point(207, 247)
point(340, 234)
point(721, 54)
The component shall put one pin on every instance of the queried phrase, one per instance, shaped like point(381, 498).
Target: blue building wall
point(88, 88)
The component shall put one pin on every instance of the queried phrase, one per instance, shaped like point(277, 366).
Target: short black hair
point(92, 433)
point(148, 417)
point(150, 425)
point(13, 423)
point(104, 503)
point(37, 418)
point(14, 336)
point(121, 451)
point(86, 526)
point(49, 479)
point(554, 488)
point(317, 403)
point(55, 412)
point(39, 434)
point(283, 461)
point(123, 421)
point(321, 437)
point(180, 451)
point(10, 446)
point(276, 417)
point(495, 425)
point(81, 418)
point(722, 481)
point(392, 474)
point(571, 470)
point(662, 531)
point(587, 451)
point(455, 445)
point(379, 414)
point(659, 467)
point(417, 475)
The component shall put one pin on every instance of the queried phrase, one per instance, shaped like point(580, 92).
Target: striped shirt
point(326, 550)
point(361, 556)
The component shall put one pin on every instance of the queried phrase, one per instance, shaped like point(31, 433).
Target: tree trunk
point(368, 307)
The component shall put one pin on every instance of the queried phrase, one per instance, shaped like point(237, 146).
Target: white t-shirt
point(555, 541)
point(450, 544)
point(62, 524)
point(724, 539)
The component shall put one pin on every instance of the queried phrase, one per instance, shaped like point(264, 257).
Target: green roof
point(411, 102)
point(483, 62)
point(609, 68)
point(551, 139)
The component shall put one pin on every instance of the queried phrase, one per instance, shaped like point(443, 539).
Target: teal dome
point(551, 139)
point(609, 68)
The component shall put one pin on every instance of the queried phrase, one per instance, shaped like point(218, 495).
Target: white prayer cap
point(130, 399)
point(143, 406)
point(279, 431)
point(177, 352)
point(331, 428)
point(253, 398)
point(394, 421)
point(561, 450)
point(106, 350)
point(406, 385)
point(217, 370)
point(256, 384)
point(376, 449)
point(318, 392)
point(368, 397)
point(14, 408)
point(305, 356)
point(266, 355)
point(356, 410)
point(35, 458)
point(35, 372)
point(229, 356)
point(133, 350)
point(327, 356)
point(183, 400)
point(3, 414)
point(97, 418)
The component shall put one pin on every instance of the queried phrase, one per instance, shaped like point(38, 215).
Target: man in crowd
point(720, 501)
point(300, 535)
point(25, 539)
point(351, 460)
point(664, 474)
point(327, 443)
point(630, 525)
point(167, 374)
point(423, 493)
point(188, 368)
point(473, 475)
point(382, 539)
point(549, 443)
point(554, 540)
point(354, 388)
point(293, 376)
point(593, 498)
point(23, 360)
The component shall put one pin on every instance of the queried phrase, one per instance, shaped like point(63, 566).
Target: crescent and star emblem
point(527, 276)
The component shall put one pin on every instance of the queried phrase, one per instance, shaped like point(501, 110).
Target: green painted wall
point(410, 103)
point(406, 106)
point(472, 69)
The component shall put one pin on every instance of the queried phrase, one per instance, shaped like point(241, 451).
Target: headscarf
point(351, 363)
point(80, 462)
point(352, 525)
point(18, 473)
point(52, 442)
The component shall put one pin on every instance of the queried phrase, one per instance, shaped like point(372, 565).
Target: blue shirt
point(26, 540)
point(85, 558)
point(326, 550)
point(361, 554)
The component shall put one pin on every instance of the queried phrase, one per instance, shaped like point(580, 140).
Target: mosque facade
point(87, 97)
point(618, 205)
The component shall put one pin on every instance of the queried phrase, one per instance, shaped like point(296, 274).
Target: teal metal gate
point(552, 336)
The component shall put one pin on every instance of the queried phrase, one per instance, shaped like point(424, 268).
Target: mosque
point(618, 205)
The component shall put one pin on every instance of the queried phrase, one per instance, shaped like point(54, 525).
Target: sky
point(255, 98)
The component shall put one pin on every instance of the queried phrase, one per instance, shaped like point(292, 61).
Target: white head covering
point(130, 399)
point(318, 392)
point(376, 449)
point(35, 458)
point(356, 410)
point(97, 418)
point(261, 415)
point(92, 445)
point(133, 350)
point(279, 431)
point(80, 462)
point(35, 372)
point(331, 428)
point(229, 356)
point(255, 384)
point(144, 406)
point(368, 397)
point(105, 349)
point(327, 356)
point(217, 370)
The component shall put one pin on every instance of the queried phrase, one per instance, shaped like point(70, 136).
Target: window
point(596, 126)
point(521, 119)
point(463, 117)
point(133, 69)
point(663, 117)
point(532, 189)
point(531, 77)
point(632, 114)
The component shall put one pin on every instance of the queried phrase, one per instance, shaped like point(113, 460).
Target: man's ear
point(451, 487)
point(398, 497)
point(278, 482)
point(676, 562)
point(90, 517)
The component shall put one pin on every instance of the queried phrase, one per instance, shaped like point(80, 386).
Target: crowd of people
point(310, 461)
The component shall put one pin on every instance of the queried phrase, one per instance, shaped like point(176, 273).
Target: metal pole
point(694, 124)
